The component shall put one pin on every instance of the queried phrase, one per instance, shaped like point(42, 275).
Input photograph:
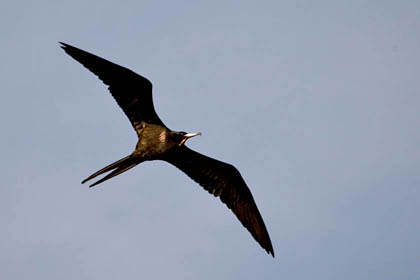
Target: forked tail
point(120, 166)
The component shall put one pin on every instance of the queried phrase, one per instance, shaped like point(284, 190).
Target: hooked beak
point(187, 136)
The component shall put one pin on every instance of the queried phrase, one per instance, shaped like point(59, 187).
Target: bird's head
point(182, 137)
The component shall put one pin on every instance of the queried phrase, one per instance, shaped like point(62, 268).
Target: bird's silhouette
point(133, 94)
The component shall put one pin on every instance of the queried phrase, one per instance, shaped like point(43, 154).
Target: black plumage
point(133, 94)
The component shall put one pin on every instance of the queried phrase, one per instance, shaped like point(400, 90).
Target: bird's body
point(157, 142)
point(154, 140)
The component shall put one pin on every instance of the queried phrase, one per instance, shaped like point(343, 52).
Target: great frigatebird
point(133, 94)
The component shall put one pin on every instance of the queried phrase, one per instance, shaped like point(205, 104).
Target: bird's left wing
point(223, 180)
point(132, 92)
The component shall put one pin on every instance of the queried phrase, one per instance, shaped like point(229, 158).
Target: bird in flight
point(133, 94)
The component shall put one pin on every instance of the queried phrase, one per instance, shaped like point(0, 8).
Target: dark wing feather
point(132, 92)
point(223, 180)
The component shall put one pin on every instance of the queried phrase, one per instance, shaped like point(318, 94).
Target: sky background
point(315, 102)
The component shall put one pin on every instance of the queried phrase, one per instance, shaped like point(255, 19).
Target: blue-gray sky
point(316, 103)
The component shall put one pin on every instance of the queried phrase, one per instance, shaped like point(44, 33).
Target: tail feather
point(124, 167)
point(121, 164)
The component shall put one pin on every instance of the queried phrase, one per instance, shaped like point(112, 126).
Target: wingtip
point(66, 47)
point(270, 250)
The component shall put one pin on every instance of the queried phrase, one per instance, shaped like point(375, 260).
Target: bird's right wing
point(223, 180)
point(132, 92)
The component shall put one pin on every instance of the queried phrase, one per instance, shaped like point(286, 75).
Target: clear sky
point(315, 102)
